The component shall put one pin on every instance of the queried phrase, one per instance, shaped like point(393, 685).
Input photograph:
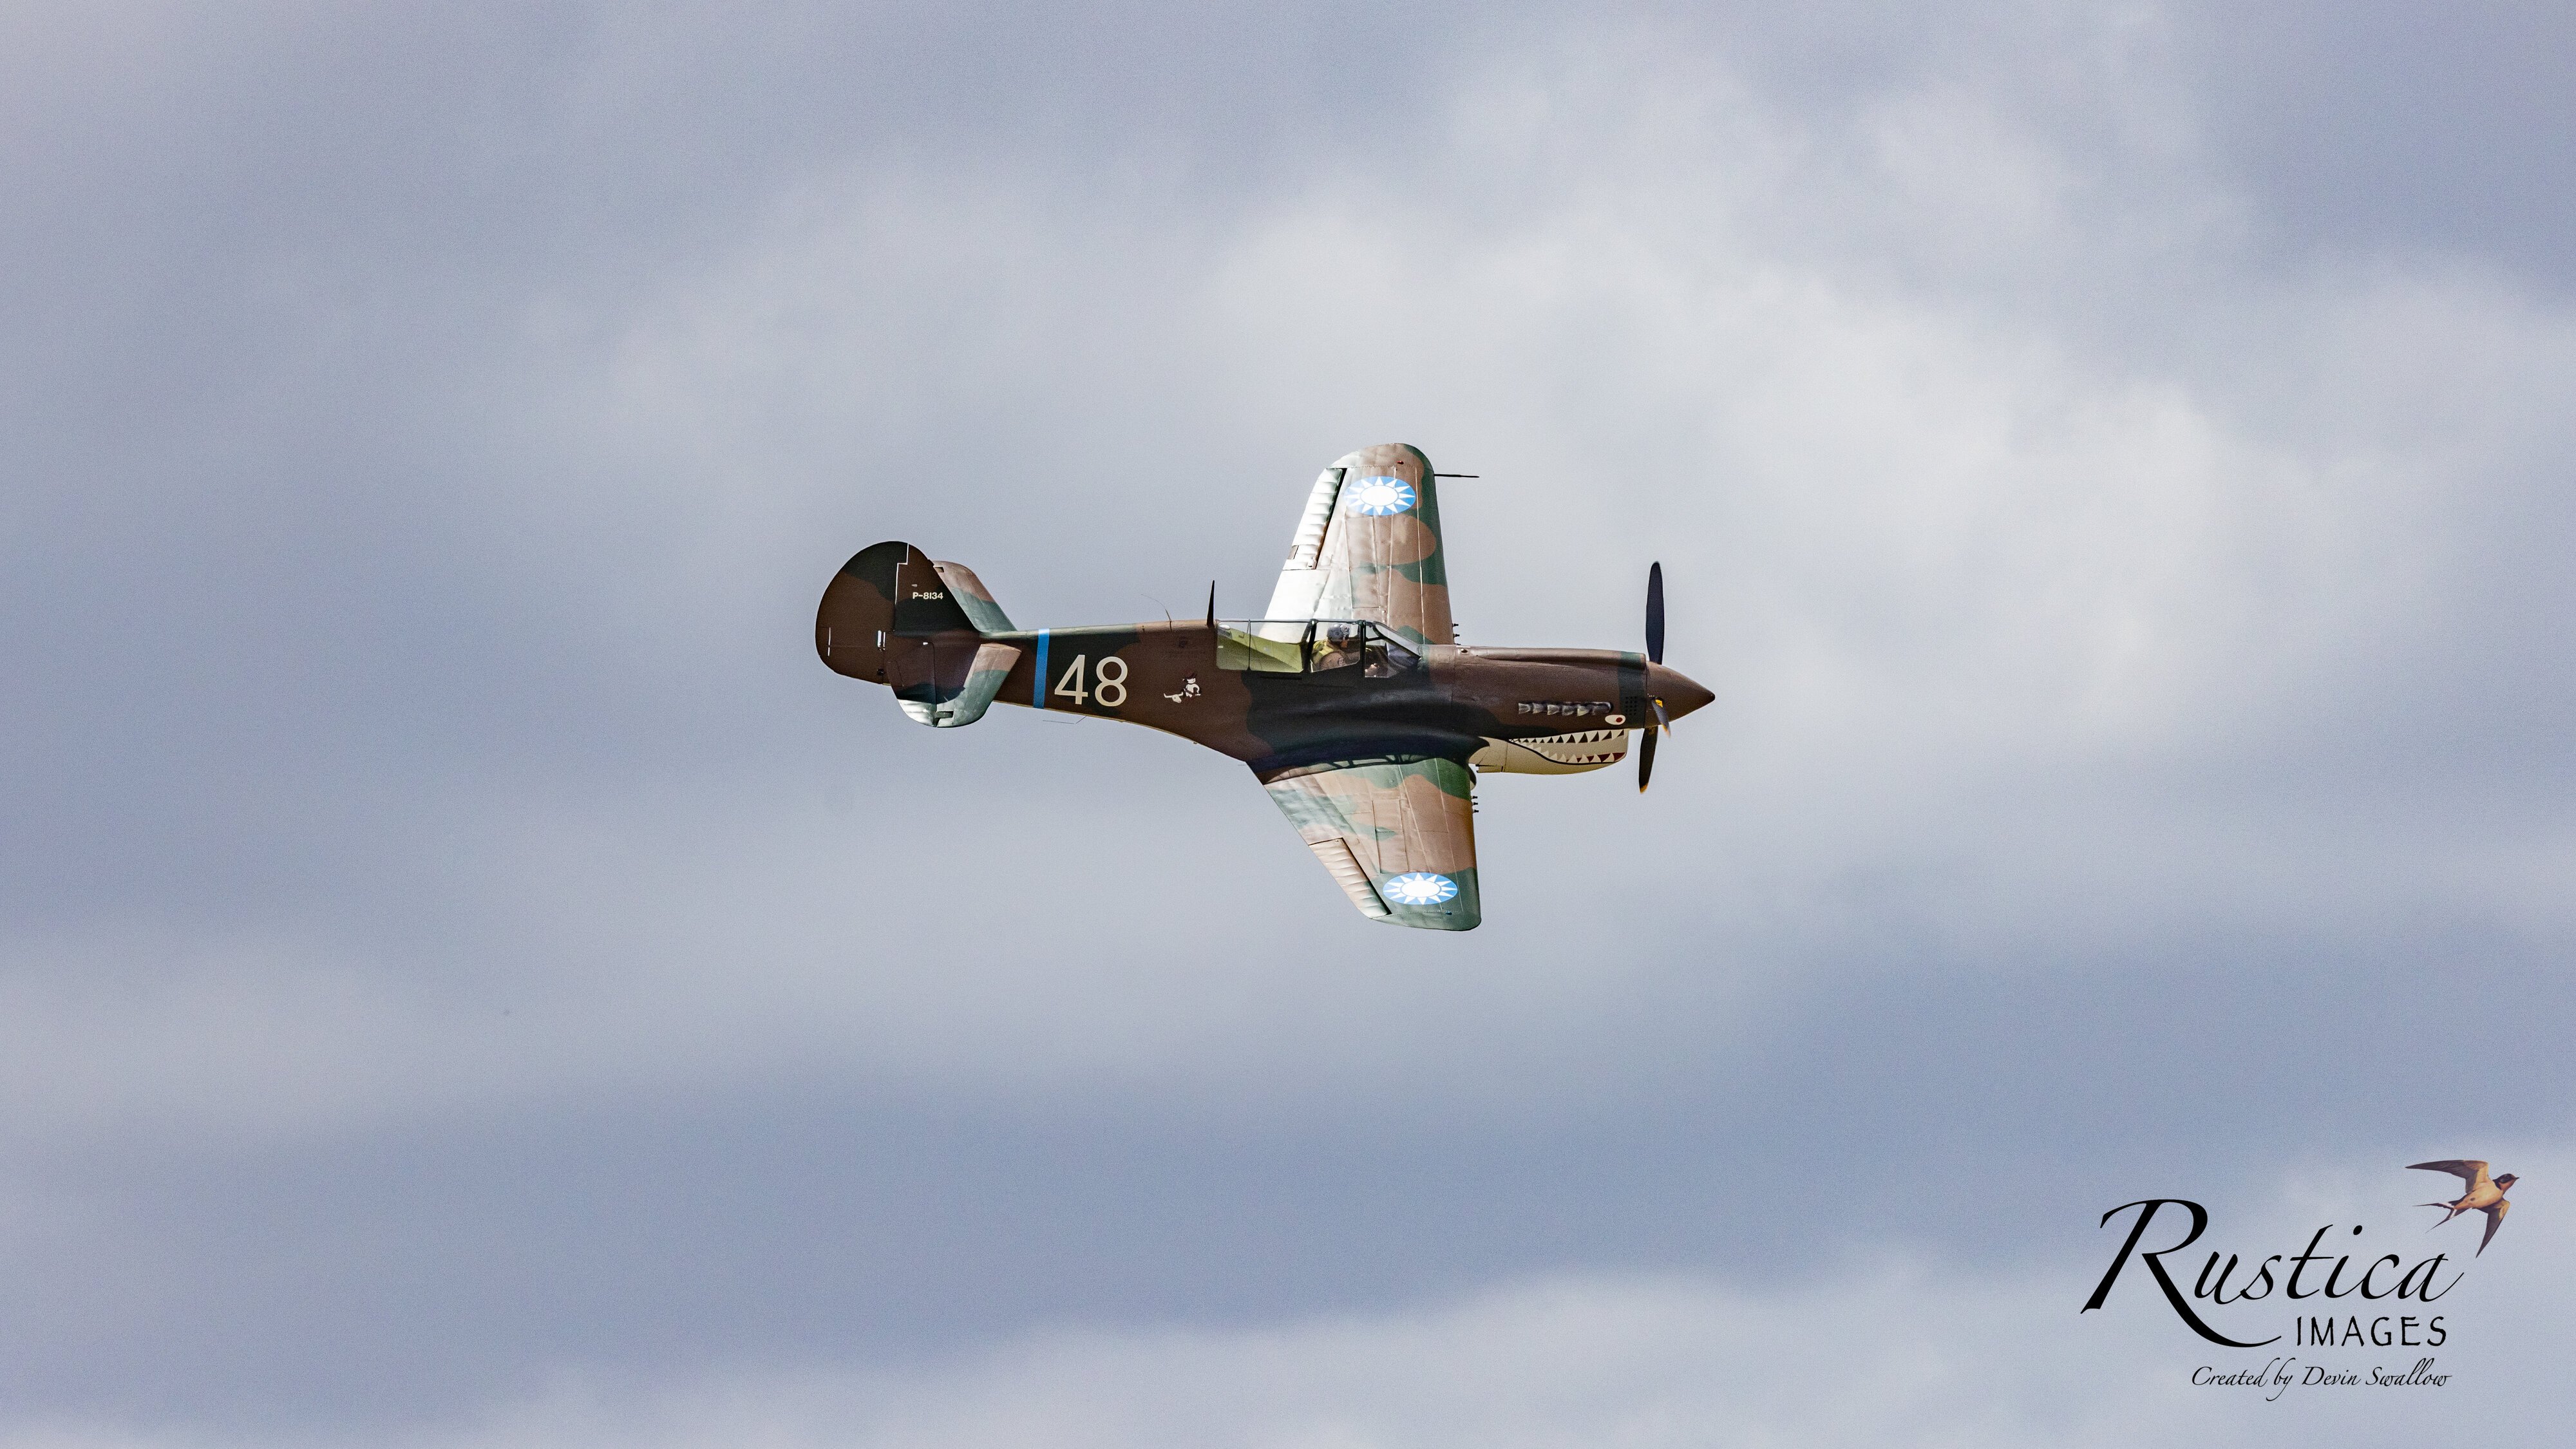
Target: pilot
point(1340, 646)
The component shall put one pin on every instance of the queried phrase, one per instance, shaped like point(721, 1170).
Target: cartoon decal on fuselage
point(1351, 699)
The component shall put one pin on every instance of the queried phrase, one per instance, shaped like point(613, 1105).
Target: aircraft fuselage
point(1447, 701)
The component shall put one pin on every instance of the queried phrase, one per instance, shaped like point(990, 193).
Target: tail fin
point(897, 617)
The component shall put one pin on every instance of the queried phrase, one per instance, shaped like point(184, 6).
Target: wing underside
point(1397, 835)
point(1368, 547)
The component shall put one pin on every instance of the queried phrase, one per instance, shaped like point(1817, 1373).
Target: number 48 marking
point(1070, 686)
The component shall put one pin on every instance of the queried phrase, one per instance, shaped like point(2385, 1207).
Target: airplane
point(1351, 699)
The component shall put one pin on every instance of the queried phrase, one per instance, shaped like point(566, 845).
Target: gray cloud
point(1876, 1348)
point(445, 941)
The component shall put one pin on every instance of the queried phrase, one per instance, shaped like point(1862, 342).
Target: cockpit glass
point(1316, 646)
point(1262, 646)
point(1387, 657)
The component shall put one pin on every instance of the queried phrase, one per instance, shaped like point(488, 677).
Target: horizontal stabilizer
point(947, 695)
point(971, 595)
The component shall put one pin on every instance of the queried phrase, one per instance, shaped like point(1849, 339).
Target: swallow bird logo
point(2484, 1195)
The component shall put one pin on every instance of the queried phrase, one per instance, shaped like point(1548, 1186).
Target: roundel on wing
point(1420, 888)
point(1378, 497)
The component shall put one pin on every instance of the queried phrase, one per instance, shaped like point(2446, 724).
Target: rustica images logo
point(2340, 1296)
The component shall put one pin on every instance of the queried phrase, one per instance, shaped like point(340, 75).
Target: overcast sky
point(470, 977)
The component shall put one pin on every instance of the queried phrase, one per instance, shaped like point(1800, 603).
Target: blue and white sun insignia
point(1378, 497)
point(1420, 888)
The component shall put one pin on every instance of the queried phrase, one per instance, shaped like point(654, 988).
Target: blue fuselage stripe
point(1039, 688)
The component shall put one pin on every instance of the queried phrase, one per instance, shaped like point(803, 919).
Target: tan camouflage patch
point(1397, 818)
point(1396, 824)
point(1362, 540)
point(1420, 612)
point(974, 598)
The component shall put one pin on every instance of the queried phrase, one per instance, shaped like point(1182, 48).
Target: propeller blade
point(1662, 721)
point(1655, 614)
point(1645, 757)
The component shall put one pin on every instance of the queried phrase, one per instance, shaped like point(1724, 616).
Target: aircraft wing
point(1398, 836)
point(1368, 547)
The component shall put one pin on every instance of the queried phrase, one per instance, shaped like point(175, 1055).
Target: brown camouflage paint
point(1372, 766)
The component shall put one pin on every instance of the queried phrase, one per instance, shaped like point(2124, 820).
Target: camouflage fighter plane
point(1351, 700)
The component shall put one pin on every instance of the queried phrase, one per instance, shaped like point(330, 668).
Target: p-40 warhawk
point(1351, 701)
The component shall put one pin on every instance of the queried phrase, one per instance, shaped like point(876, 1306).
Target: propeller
point(1655, 614)
point(1654, 655)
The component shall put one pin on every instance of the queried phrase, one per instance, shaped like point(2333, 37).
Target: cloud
point(2129, 583)
point(1891, 1350)
point(1975, 573)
